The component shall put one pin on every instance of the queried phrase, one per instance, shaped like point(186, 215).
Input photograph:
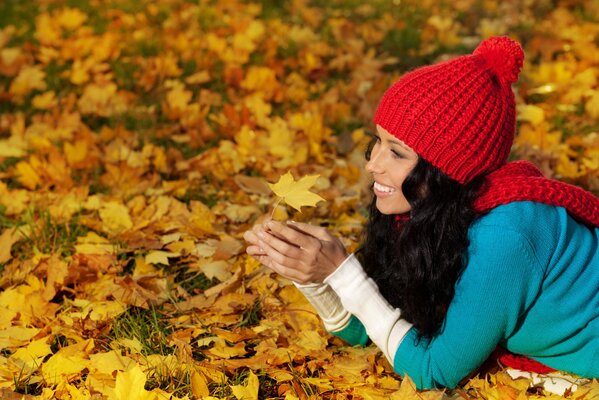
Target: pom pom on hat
point(459, 115)
point(504, 55)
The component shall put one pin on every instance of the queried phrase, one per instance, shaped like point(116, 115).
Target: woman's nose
point(373, 165)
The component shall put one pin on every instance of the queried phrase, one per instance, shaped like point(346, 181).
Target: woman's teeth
point(382, 188)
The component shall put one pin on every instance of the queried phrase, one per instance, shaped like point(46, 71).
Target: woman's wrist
point(327, 304)
point(361, 297)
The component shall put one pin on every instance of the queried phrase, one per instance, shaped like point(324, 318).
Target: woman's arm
point(498, 286)
point(304, 254)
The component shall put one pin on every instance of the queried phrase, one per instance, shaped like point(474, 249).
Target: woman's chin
point(386, 207)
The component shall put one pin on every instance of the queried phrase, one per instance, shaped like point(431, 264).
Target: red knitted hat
point(459, 114)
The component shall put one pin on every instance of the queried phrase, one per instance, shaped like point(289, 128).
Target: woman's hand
point(298, 251)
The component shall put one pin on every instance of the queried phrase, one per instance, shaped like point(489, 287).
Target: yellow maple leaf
point(109, 362)
point(71, 18)
point(115, 217)
point(130, 386)
point(30, 78)
point(44, 101)
point(31, 356)
point(63, 367)
point(296, 193)
point(249, 391)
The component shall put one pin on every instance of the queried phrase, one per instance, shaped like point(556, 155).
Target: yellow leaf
point(27, 174)
point(531, 113)
point(249, 391)
point(296, 193)
point(198, 78)
point(92, 243)
point(592, 105)
point(199, 386)
point(115, 217)
point(159, 257)
point(215, 269)
point(7, 239)
point(77, 152)
point(31, 356)
point(62, 367)
point(44, 101)
point(109, 362)
point(71, 18)
point(130, 386)
point(30, 78)
point(408, 391)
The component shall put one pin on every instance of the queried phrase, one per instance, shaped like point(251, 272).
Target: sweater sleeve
point(500, 281)
point(360, 295)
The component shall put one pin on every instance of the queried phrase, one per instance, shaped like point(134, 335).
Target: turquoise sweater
point(531, 284)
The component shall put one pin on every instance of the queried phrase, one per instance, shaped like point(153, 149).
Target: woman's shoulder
point(522, 216)
point(534, 227)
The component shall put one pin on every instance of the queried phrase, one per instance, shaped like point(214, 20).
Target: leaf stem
point(275, 207)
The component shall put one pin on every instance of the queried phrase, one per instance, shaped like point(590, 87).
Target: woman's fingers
point(294, 274)
point(293, 236)
point(255, 251)
point(280, 251)
point(316, 231)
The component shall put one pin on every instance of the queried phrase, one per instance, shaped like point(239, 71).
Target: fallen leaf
point(296, 193)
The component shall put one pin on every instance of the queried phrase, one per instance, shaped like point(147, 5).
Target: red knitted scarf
point(521, 181)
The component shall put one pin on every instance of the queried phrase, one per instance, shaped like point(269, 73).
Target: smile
point(382, 188)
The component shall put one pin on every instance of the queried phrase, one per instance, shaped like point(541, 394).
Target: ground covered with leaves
point(137, 139)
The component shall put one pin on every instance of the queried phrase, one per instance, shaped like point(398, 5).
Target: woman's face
point(391, 160)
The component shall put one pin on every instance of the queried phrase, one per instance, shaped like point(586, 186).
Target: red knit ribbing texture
point(460, 114)
point(523, 181)
point(452, 114)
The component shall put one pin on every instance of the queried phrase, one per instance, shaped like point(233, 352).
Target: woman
point(464, 251)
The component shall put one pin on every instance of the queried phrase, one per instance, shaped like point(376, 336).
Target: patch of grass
point(223, 389)
point(58, 342)
point(44, 235)
point(172, 379)
point(54, 77)
point(185, 149)
point(198, 193)
point(124, 73)
point(8, 162)
point(23, 384)
point(148, 326)
point(21, 15)
point(193, 281)
point(252, 315)
point(274, 8)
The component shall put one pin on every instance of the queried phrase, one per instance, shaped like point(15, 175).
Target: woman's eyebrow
point(399, 144)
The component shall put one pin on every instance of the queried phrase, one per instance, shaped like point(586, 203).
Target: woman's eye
point(396, 154)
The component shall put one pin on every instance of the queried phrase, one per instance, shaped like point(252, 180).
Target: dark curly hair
point(417, 260)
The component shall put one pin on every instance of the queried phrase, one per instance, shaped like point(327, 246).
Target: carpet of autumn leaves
point(136, 141)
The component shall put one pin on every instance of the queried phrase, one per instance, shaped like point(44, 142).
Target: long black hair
point(416, 260)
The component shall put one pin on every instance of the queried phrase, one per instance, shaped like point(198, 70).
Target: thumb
point(317, 231)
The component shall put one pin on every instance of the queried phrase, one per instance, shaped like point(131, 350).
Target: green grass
point(23, 384)
point(172, 379)
point(252, 315)
point(148, 326)
point(193, 281)
point(42, 234)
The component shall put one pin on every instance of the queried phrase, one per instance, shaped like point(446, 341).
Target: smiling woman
point(464, 252)
point(390, 162)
